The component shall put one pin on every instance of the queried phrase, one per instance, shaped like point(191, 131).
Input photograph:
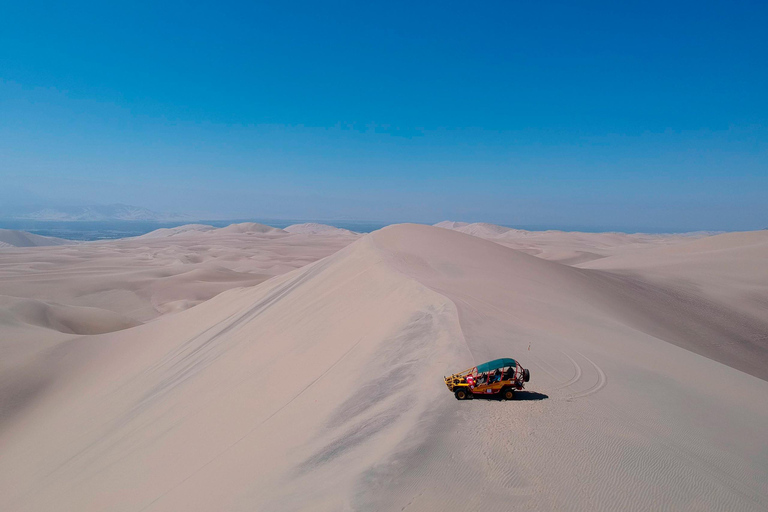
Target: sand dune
point(485, 230)
point(321, 389)
point(13, 238)
point(707, 295)
point(196, 229)
point(64, 318)
point(249, 227)
point(569, 247)
point(50, 295)
point(449, 224)
point(179, 230)
point(144, 277)
point(314, 228)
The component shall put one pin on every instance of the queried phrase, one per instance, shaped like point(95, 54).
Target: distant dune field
point(569, 247)
point(255, 369)
point(14, 238)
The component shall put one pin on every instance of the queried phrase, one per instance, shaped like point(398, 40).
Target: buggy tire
point(461, 394)
point(526, 375)
point(507, 394)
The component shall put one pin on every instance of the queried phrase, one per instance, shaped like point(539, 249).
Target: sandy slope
point(315, 228)
point(164, 271)
point(569, 247)
point(321, 389)
point(449, 224)
point(13, 238)
point(178, 230)
point(51, 294)
point(249, 227)
point(707, 295)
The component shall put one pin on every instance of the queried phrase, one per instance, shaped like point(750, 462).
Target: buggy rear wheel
point(461, 394)
point(508, 394)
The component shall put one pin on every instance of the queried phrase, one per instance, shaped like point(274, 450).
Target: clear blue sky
point(620, 115)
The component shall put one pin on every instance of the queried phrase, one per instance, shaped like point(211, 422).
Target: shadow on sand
point(520, 396)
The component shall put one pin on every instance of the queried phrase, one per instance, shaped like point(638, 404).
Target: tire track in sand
point(576, 375)
point(601, 381)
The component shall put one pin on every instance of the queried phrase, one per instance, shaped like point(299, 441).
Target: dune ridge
point(179, 230)
point(197, 229)
point(164, 271)
point(249, 227)
point(15, 238)
point(315, 228)
point(65, 318)
point(570, 247)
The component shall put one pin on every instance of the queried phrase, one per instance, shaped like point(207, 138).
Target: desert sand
point(48, 294)
point(314, 382)
point(15, 238)
point(569, 247)
point(318, 229)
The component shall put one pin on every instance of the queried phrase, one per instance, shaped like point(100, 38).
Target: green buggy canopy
point(495, 364)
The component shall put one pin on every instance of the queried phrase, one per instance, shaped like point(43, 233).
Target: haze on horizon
point(646, 116)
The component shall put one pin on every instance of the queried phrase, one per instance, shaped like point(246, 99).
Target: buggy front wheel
point(508, 394)
point(461, 394)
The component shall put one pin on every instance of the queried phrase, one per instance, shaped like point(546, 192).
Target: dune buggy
point(499, 377)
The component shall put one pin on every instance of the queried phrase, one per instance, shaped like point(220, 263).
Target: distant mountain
point(100, 213)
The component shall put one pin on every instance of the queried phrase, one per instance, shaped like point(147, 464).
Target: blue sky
point(590, 115)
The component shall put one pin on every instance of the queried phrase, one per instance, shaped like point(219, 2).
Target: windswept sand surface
point(569, 247)
point(14, 238)
point(163, 271)
point(321, 388)
point(48, 294)
point(318, 229)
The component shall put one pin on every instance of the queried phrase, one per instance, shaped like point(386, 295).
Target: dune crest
point(197, 229)
point(315, 228)
point(449, 224)
point(249, 227)
point(179, 230)
point(569, 247)
point(14, 238)
point(162, 272)
point(65, 319)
